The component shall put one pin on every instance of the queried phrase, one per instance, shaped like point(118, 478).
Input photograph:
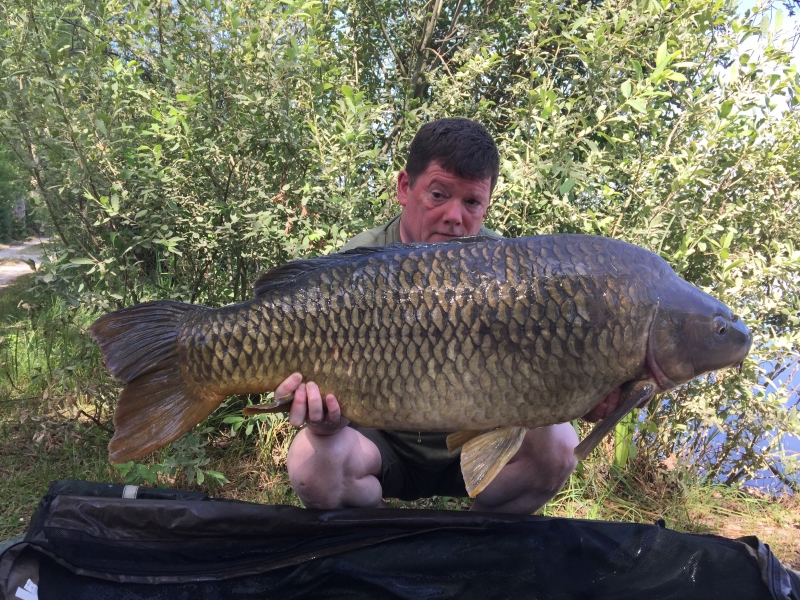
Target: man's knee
point(316, 470)
point(334, 471)
point(537, 472)
point(557, 461)
point(548, 457)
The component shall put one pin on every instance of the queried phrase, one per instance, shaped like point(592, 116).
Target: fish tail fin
point(157, 406)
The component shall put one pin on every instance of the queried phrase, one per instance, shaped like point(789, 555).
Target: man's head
point(445, 189)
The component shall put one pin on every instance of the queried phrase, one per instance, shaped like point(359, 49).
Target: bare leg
point(335, 471)
point(537, 472)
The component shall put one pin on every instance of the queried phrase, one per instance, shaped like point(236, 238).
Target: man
point(445, 191)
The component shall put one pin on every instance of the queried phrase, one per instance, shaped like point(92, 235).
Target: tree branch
point(397, 60)
point(426, 39)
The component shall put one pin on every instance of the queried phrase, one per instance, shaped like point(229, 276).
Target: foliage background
point(12, 189)
point(180, 148)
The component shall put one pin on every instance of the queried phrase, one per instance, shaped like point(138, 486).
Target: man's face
point(440, 205)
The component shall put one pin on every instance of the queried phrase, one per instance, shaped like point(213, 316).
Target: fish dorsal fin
point(459, 438)
point(471, 239)
point(294, 270)
point(291, 272)
point(484, 456)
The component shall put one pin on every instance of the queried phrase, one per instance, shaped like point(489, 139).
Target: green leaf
point(638, 104)
point(219, 477)
point(348, 93)
point(662, 60)
point(578, 22)
point(726, 108)
point(626, 89)
point(726, 241)
point(637, 66)
point(565, 187)
point(124, 468)
point(661, 54)
point(81, 261)
point(674, 76)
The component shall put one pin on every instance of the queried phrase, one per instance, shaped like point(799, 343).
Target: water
point(791, 444)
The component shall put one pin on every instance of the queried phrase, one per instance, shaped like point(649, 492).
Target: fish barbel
point(484, 337)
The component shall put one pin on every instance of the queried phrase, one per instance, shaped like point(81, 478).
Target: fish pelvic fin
point(459, 438)
point(484, 456)
point(140, 347)
point(633, 394)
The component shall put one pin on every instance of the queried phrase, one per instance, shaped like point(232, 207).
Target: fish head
point(693, 333)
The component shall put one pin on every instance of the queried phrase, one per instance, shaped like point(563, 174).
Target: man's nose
point(452, 213)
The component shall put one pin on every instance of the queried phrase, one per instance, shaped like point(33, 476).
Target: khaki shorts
point(416, 465)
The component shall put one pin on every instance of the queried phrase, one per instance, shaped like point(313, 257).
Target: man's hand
point(602, 410)
point(607, 406)
point(323, 418)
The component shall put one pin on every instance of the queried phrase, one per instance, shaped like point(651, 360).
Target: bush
point(181, 151)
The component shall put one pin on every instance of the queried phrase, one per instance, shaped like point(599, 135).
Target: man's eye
point(437, 195)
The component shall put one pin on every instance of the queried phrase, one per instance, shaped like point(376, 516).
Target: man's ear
point(403, 185)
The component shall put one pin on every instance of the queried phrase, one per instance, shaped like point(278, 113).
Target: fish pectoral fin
point(459, 438)
point(484, 456)
point(282, 404)
point(632, 395)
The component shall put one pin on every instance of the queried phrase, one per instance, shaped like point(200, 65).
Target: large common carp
point(481, 336)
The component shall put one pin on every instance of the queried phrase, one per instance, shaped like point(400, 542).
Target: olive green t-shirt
point(420, 447)
point(390, 233)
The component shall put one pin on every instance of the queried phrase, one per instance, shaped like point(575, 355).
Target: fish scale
point(468, 335)
point(464, 330)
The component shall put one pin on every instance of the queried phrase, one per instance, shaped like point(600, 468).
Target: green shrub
point(179, 151)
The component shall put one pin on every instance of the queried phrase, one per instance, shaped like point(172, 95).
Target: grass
point(645, 493)
point(55, 423)
point(44, 431)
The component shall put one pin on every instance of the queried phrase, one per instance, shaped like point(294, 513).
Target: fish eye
point(720, 325)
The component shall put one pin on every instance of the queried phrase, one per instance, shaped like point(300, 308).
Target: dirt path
point(13, 259)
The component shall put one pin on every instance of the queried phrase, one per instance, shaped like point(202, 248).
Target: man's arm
point(330, 465)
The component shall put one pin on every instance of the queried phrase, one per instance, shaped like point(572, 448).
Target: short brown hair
point(459, 145)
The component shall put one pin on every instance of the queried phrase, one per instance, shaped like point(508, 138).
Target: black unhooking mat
point(103, 542)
